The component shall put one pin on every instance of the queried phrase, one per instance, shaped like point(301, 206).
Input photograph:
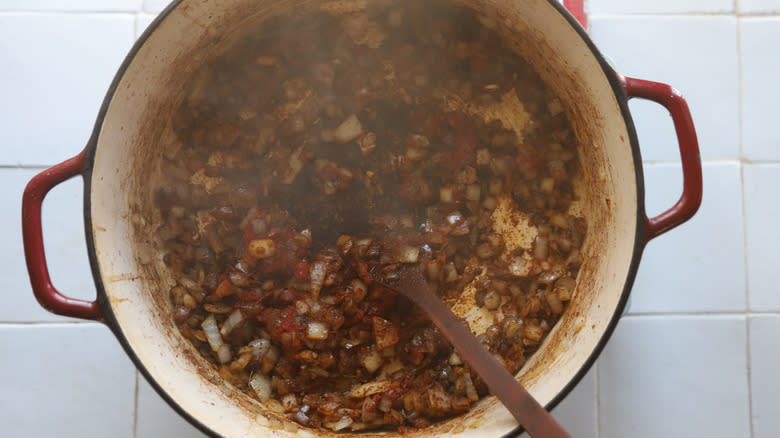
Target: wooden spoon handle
point(527, 411)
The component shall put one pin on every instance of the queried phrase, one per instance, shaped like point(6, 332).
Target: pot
point(121, 163)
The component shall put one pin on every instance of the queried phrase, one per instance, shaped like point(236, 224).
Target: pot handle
point(690, 200)
point(48, 296)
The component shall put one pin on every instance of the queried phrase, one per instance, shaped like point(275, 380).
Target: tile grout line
point(740, 102)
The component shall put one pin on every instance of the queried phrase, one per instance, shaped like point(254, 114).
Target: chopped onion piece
point(554, 302)
point(317, 330)
point(367, 143)
point(483, 157)
point(359, 290)
point(269, 360)
point(224, 354)
point(294, 165)
point(560, 220)
point(450, 272)
point(409, 254)
point(348, 130)
point(261, 248)
point(446, 195)
point(547, 185)
point(520, 267)
point(473, 192)
point(371, 388)
point(492, 300)
point(372, 361)
point(342, 424)
point(231, 322)
point(260, 347)
point(385, 333)
point(209, 326)
point(541, 247)
point(317, 278)
point(262, 386)
point(225, 288)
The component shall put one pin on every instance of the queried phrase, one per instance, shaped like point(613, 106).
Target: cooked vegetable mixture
point(308, 162)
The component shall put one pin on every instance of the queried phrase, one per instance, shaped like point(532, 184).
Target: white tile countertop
point(697, 355)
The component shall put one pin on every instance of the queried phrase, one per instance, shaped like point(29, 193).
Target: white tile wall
point(760, 38)
point(71, 5)
point(697, 55)
point(65, 380)
point(707, 271)
point(142, 21)
point(763, 236)
point(759, 6)
point(697, 357)
point(156, 419)
point(56, 69)
point(764, 358)
point(675, 376)
point(597, 7)
point(578, 411)
point(155, 5)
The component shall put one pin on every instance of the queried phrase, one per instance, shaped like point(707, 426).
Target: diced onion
point(483, 157)
point(473, 192)
point(342, 424)
point(269, 360)
point(450, 272)
point(372, 361)
point(225, 288)
point(224, 354)
point(260, 347)
point(560, 220)
point(261, 248)
point(541, 247)
point(554, 302)
point(317, 330)
point(484, 251)
point(367, 143)
point(415, 154)
point(520, 267)
point(348, 130)
point(238, 278)
point(492, 300)
point(533, 332)
point(371, 388)
point(409, 254)
point(294, 165)
point(231, 322)
point(211, 330)
point(446, 195)
point(359, 290)
point(317, 278)
point(547, 185)
point(262, 386)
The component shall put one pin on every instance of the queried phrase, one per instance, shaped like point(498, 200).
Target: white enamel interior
point(135, 280)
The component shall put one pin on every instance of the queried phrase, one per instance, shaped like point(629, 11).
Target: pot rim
point(615, 82)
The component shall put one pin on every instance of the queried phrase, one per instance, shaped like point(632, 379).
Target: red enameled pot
point(121, 166)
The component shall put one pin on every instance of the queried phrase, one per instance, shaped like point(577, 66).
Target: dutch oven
point(121, 163)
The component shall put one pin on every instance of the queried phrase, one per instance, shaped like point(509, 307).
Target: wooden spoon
point(526, 410)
